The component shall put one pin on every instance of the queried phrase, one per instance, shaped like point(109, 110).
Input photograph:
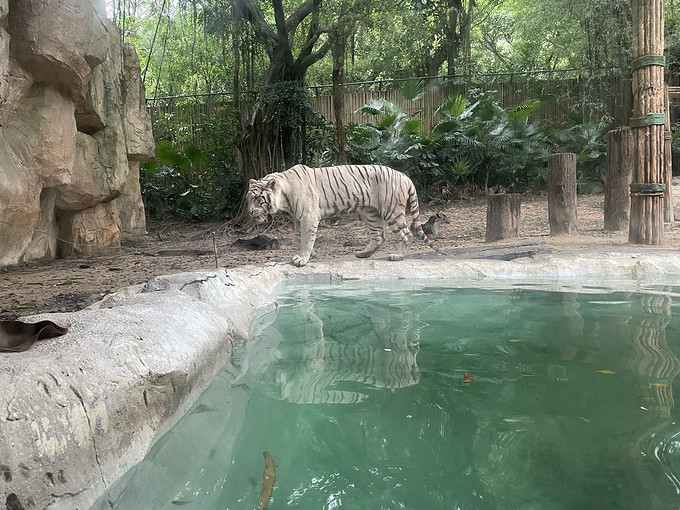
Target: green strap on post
point(648, 60)
point(651, 119)
point(649, 189)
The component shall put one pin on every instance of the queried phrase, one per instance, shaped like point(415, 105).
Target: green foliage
point(191, 46)
point(394, 140)
point(193, 183)
point(170, 186)
point(589, 142)
point(285, 103)
point(475, 144)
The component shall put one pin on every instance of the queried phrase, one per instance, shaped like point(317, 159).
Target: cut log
point(502, 216)
point(493, 252)
point(618, 176)
point(562, 213)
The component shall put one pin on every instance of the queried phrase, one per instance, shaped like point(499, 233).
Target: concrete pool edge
point(80, 411)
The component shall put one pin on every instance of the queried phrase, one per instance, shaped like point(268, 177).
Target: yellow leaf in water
point(515, 340)
point(181, 500)
point(645, 397)
point(658, 384)
point(605, 372)
point(583, 418)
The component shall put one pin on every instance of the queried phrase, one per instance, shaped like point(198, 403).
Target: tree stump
point(618, 176)
point(502, 216)
point(562, 213)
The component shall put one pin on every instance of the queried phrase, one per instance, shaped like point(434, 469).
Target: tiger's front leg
point(296, 235)
point(307, 235)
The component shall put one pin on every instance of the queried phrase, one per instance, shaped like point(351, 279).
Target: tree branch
point(313, 58)
point(252, 12)
point(300, 14)
point(312, 39)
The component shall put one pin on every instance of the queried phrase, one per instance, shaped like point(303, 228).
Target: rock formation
point(73, 131)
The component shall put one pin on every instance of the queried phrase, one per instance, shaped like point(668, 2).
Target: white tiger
point(379, 195)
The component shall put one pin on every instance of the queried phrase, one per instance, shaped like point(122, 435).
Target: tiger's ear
point(271, 184)
point(251, 182)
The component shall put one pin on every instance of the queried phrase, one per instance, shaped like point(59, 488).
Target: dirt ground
point(172, 247)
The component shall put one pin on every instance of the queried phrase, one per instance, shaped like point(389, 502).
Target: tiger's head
point(261, 198)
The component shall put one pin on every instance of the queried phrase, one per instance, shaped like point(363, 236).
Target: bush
point(195, 183)
point(476, 144)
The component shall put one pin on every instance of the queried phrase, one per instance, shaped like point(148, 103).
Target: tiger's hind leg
point(398, 226)
point(376, 230)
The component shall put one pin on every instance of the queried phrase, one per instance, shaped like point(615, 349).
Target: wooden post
point(668, 213)
point(562, 193)
point(617, 179)
point(648, 123)
point(502, 216)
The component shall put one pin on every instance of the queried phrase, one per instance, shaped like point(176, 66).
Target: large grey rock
point(4, 63)
point(139, 137)
point(132, 218)
point(4, 52)
point(73, 131)
point(58, 41)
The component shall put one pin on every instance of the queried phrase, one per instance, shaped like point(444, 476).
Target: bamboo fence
point(563, 100)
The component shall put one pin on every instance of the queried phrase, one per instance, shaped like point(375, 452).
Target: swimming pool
point(407, 395)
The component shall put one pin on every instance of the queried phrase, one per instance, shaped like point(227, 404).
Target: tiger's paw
point(299, 260)
point(395, 256)
point(363, 254)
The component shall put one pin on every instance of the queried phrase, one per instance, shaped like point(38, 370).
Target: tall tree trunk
point(236, 50)
point(338, 50)
point(265, 145)
point(466, 35)
point(339, 112)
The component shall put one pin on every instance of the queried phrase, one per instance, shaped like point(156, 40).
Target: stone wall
point(73, 131)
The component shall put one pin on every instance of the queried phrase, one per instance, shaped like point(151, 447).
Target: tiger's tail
point(416, 226)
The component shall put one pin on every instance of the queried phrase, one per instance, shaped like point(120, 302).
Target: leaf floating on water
point(658, 384)
point(181, 500)
point(516, 340)
point(608, 372)
point(467, 378)
point(268, 481)
point(583, 418)
point(647, 398)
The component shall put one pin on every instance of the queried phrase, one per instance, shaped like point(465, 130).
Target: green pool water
point(359, 396)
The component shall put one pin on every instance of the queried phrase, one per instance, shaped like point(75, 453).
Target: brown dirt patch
point(74, 283)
